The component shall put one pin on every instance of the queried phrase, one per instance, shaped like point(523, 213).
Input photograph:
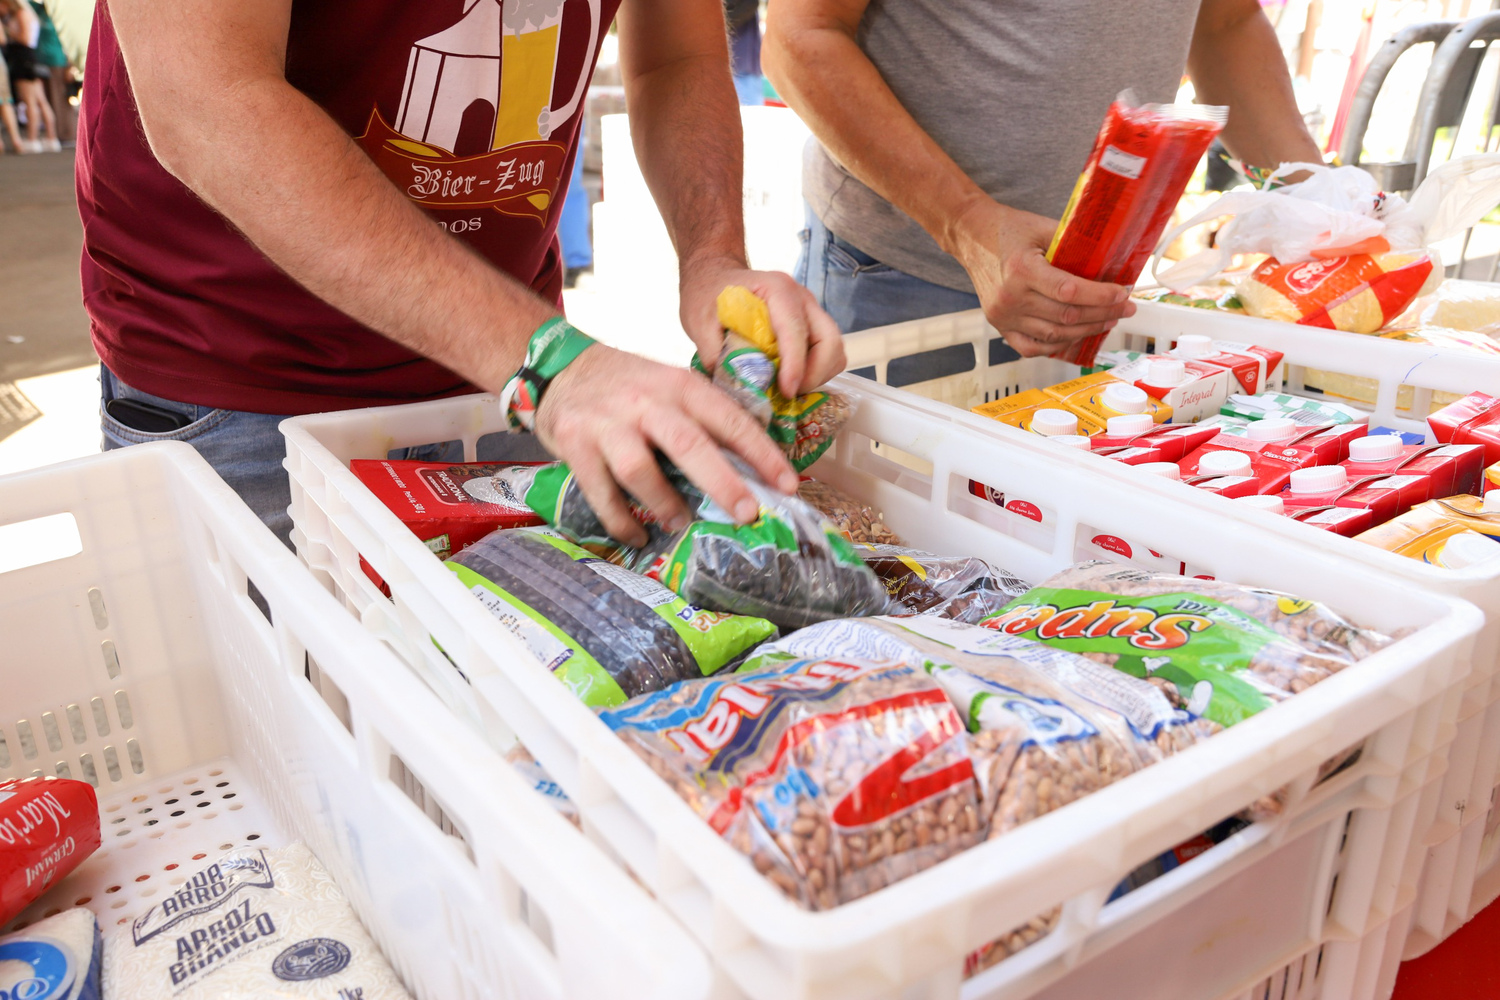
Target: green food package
point(607, 633)
point(1223, 651)
point(789, 566)
point(1295, 408)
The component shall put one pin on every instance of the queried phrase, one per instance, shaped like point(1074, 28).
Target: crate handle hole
point(39, 541)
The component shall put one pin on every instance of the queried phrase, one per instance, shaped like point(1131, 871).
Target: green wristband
point(555, 345)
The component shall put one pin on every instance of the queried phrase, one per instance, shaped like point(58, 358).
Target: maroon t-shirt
point(471, 107)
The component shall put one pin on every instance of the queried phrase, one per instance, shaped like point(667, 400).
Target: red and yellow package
point(1358, 294)
point(1142, 160)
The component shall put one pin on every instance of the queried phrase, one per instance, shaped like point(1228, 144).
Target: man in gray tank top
point(949, 134)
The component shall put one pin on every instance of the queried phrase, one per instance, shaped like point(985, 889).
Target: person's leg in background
point(573, 224)
point(744, 57)
point(8, 107)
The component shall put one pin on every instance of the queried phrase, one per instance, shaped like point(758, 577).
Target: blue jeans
point(245, 449)
point(860, 292)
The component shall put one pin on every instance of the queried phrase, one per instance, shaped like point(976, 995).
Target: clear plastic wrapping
point(790, 566)
point(608, 633)
point(964, 588)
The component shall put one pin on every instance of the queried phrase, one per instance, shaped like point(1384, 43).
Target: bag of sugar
point(52, 959)
point(262, 924)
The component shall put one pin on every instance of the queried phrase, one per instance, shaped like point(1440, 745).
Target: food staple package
point(448, 505)
point(856, 521)
point(254, 925)
point(835, 776)
point(607, 633)
point(1142, 160)
point(1343, 254)
point(789, 566)
point(59, 958)
point(1223, 650)
point(964, 588)
point(1359, 293)
point(48, 826)
point(804, 427)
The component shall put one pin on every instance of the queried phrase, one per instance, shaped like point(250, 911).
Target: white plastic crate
point(1331, 866)
point(969, 341)
point(133, 657)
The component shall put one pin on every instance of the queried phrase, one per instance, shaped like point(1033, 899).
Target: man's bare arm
point(208, 77)
point(685, 125)
point(1235, 60)
point(815, 61)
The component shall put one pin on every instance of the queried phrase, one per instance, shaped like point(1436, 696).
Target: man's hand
point(812, 349)
point(1037, 308)
point(610, 412)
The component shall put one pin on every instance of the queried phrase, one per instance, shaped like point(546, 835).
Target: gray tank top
point(1012, 90)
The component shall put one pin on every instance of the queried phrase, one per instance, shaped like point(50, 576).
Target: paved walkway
point(49, 387)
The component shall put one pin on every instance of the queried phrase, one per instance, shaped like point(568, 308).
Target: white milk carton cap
point(1079, 441)
point(1194, 345)
point(1468, 548)
point(1123, 397)
point(1272, 429)
point(1049, 422)
point(1166, 371)
point(1224, 463)
point(1167, 470)
point(1129, 423)
point(1319, 479)
point(1379, 448)
point(1270, 503)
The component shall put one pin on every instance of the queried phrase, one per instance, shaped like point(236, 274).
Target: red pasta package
point(1142, 160)
point(47, 827)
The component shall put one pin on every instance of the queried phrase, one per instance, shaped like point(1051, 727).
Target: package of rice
point(254, 925)
point(53, 959)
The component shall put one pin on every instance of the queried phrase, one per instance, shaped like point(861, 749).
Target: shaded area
point(40, 300)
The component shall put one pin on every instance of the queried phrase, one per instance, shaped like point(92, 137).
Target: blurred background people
point(28, 76)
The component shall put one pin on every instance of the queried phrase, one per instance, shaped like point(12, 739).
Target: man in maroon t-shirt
point(301, 205)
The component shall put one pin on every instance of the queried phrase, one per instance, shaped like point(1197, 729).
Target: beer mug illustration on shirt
point(499, 59)
point(487, 83)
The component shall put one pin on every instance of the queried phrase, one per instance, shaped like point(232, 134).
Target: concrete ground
point(49, 384)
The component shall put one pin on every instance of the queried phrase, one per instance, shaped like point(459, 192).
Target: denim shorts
point(245, 449)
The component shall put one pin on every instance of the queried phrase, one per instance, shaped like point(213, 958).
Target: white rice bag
point(255, 925)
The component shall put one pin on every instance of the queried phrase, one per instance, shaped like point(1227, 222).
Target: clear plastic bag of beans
point(1046, 727)
point(964, 588)
point(857, 772)
point(790, 566)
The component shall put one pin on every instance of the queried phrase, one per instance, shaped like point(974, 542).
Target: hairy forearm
point(815, 69)
point(288, 177)
point(1240, 64)
point(685, 126)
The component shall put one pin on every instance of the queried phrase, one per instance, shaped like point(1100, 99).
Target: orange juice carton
point(1019, 410)
point(1192, 389)
point(1425, 531)
point(1491, 479)
point(1452, 468)
point(1100, 396)
point(1248, 370)
point(1475, 419)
